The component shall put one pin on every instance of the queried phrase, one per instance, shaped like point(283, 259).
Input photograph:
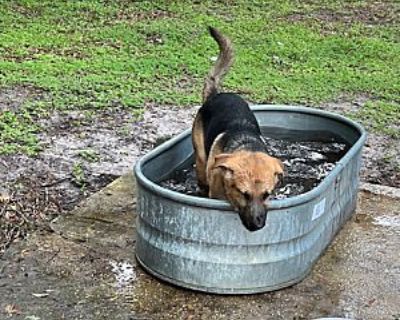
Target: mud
point(371, 14)
point(381, 153)
point(82, 151)
point(307, 163)
point(11, 99)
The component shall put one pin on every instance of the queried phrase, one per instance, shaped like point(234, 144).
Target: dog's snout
point(254, 216)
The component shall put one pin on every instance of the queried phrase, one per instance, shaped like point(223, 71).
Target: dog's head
point(248, 180)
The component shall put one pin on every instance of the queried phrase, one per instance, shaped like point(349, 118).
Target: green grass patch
point(381, 117)
point(17, 134)
point(78, 175)
point(92, 54)
point(89, 155)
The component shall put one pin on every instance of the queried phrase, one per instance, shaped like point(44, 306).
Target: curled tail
point(221, 66)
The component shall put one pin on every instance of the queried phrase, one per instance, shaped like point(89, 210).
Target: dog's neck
point(237, 141)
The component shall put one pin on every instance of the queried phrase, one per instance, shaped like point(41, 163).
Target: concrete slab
point(85, 269)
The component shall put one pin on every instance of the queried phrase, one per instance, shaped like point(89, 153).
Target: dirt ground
point(82, 152)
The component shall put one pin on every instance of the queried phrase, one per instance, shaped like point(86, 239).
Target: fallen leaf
point(40, 295)
point(12, 309)
point(31, 318)
point(4, 195)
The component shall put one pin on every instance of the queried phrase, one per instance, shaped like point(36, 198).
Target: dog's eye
point(246, 195)
point(279, 175)
point(265, 195)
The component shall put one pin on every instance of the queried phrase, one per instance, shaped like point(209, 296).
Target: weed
point(89, 155)
point(17, 134)
point(78, 175)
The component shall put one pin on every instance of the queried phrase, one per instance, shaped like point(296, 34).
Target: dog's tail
point(221, 66)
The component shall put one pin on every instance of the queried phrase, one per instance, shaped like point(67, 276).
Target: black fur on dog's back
point(228, 113)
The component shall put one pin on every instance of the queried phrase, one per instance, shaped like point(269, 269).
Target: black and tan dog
point(231, 158)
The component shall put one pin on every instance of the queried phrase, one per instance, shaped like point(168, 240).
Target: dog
point(231, 158)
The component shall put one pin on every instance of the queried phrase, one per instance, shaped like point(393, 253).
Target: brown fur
point(221, 66)
point(253, 172)
point(199, 150)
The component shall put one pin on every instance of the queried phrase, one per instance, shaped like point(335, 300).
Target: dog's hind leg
point(199, 151)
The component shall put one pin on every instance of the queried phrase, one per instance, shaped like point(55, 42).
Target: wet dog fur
point(231, 159)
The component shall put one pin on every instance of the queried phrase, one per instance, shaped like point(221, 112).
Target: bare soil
point(374, 13)
point(381, 153)
point(82, 151)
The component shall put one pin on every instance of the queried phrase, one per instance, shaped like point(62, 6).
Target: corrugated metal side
point(217, 254)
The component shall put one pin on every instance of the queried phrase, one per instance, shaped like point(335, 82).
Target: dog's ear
point(279, 167)
point(279, 170)
point(223, 161)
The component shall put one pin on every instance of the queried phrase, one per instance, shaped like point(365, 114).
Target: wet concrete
point(84, 268)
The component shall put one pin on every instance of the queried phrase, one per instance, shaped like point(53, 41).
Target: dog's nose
point(256, 222)
point(253, 216)
point(260, 221)
point(252, 227)
point(258, 214)
point(255, 225)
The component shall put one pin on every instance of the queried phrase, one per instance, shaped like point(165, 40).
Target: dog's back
point(228, 113)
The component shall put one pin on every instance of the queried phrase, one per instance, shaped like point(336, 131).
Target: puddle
point(386, 221)
point(307, 163)
point(124, 273)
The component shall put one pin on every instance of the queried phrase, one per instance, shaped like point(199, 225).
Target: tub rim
point(273, 204)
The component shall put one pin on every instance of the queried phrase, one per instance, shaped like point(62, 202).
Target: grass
point(17, 134)
point(78, 175)
point(382, 117)
point(89, 155)
point(96, 54)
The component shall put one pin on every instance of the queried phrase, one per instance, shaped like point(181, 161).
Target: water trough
point(200, 243)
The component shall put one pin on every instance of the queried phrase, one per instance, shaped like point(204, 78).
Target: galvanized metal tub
point(200, 243)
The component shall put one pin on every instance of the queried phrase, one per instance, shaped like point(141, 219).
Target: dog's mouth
point(253, 227)
point(253, 217)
